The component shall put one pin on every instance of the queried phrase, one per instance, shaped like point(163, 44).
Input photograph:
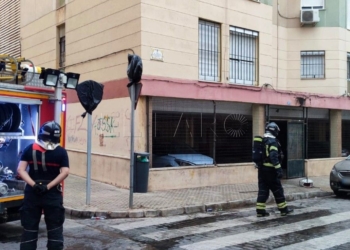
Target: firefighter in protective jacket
point(270, 173)
point(48, 167)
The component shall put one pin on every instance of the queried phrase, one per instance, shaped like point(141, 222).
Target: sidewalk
point(112, 202)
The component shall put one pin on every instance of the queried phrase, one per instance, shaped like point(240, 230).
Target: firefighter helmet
point(50, 132)
point(272, 128)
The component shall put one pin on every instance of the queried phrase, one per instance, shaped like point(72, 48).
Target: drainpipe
point(214, 142)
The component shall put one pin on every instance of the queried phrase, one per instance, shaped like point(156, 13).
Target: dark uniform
point(270, 173)
point(44, 166)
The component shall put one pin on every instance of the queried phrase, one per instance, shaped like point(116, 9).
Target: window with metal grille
point(345, 137)
point(209, 51)
point(62, 51)
point(312, 4)
point(243, 55)
point(318, 139)
point(312, 64)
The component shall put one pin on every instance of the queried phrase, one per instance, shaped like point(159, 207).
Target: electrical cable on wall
point(97, 58)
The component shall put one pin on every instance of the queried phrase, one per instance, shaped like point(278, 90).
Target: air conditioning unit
point(258, 1)
point(309, 16)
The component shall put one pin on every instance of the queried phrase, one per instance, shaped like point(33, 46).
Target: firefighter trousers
point(34, 205)
point(267, 180)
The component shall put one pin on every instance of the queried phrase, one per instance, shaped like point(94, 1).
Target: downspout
point(214, 141)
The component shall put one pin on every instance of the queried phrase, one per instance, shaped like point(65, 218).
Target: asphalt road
point(318, 223)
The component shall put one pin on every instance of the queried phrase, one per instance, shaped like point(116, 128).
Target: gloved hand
point(40, 189)
point(279, 172)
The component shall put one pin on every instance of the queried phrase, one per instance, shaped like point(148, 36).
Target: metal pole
point(132, 93)
point(58, 103)
point(88, 170)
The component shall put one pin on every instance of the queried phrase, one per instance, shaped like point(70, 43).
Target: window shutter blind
point(10, 28)
point(312, 4)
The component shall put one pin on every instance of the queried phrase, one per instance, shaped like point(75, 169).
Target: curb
point(191, 209)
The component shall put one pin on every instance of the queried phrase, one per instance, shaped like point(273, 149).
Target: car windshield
point(173, 148)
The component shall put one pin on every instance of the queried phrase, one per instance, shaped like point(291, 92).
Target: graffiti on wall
point(110, 133)
point(103, 126)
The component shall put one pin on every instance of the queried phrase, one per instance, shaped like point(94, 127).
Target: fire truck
point(25, 104)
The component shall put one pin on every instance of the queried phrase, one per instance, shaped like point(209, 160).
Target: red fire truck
point(25, 104)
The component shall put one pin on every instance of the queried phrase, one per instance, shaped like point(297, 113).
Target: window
point(61, 46)
point(209, 51)
point(62, 51)
point(312, 4)
point(60, 3)
point(312, 64)
point(243, 55)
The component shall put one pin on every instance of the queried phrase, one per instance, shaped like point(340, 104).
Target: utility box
point(141, 172)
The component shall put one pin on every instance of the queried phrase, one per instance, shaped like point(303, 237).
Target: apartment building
point(214, 72)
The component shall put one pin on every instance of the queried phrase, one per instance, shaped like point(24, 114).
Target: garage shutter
point(10, 28)
point(200, 106)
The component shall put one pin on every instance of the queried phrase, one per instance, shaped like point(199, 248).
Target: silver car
point(340, 177)
point(177, 155)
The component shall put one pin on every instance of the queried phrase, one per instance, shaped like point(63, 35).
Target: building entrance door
point(295, 150)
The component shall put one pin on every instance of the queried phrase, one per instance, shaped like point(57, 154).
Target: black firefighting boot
point(285, 211)
point(262, 213)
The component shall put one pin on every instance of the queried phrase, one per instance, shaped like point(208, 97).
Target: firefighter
point(270, 173)
point(48, 167)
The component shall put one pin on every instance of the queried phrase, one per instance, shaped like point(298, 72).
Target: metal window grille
point(243, 55)
point(348, 66)
point(62, 51)
point(318, 139)
point(209, 51)
point(345, 137)
point(312, 4)
point(312, 64)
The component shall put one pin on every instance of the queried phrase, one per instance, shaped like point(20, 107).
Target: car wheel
point(339, 194)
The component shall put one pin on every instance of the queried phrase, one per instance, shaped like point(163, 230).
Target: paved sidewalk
point(112, 202)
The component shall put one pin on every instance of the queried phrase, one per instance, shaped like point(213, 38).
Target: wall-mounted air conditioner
point(309, 16)
point(257, 1)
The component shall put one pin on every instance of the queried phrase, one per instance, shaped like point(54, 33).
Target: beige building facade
point(214, 72)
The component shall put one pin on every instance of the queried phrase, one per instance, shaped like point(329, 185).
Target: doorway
point(291, 138)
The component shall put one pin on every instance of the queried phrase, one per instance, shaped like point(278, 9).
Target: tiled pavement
point(113, 202)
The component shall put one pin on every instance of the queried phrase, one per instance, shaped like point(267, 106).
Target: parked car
point(176, 155)
point(344, 152)
point(340, 177)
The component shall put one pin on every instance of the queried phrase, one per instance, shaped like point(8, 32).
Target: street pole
point(132, 125)
point(58, 102)
point(88, 171)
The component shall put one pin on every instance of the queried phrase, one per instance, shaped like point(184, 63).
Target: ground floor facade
point(207, 131)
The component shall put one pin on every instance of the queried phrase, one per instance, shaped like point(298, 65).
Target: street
point(317, 223)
